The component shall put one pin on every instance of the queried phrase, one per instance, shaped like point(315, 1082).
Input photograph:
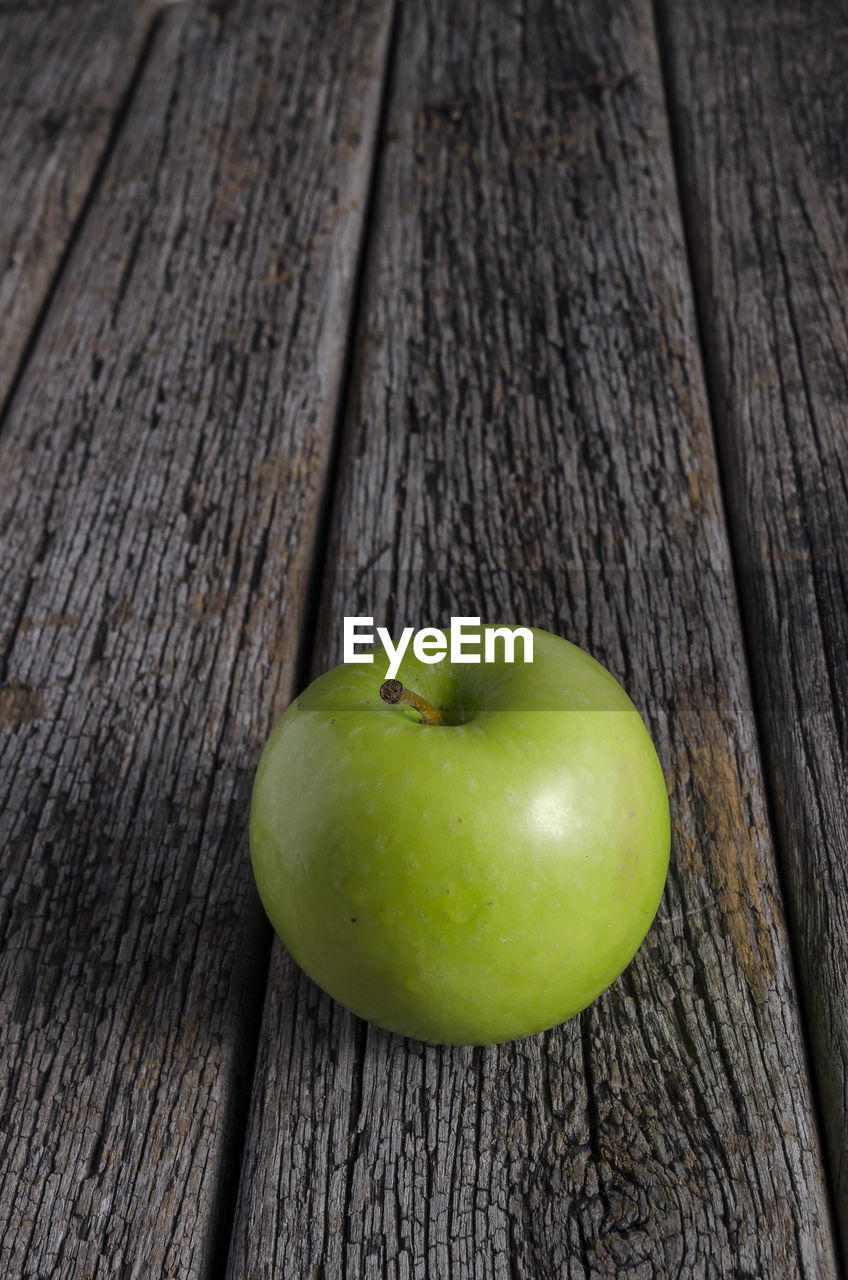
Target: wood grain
point(162, 469)
point(763, 147)
point(528, 439)
point(64, 71)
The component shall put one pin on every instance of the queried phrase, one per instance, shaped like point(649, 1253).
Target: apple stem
point(393, 692)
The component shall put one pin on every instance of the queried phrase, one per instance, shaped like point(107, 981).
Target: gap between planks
point(746, 624)
point(118, 121)
point(310, 610)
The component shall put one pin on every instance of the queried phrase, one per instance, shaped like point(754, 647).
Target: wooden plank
point(763, 149)
point(162, 468)
point(64, 71)
point(528, 439)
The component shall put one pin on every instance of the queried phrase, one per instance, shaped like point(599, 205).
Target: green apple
point(470, 881)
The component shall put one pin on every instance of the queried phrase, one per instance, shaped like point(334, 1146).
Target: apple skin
point(465, 883)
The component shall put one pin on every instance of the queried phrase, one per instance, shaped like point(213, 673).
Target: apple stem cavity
point(393, 692)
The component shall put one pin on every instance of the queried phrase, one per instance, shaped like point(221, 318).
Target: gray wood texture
point(162, 467)
point(527, 436)
point(64, 71)
point(757, 95)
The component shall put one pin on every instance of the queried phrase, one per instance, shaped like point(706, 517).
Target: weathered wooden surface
point(761, 115)
point(528, 438)
point(161, 469)
point(64, 71)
